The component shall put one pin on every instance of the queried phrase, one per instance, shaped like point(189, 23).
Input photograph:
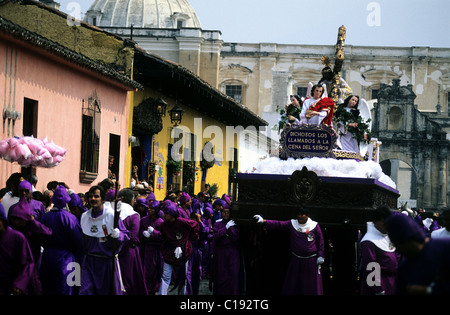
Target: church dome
point(142, 13)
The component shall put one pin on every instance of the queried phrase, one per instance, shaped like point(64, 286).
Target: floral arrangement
point(342, 116)
point(288, 110)
point(213, 189)
point(174, 166)
point(189, 171)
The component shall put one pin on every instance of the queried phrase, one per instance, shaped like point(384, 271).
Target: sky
point(368, 23)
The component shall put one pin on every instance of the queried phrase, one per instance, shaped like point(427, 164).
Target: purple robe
point(16, 262)
point(151, 253)
point(184, 213)
point(205, 238)
point(388, 261)
point(303, 276)
point(225, 268)
point(60, 250)
point(129, 256)
point(37, 209)
point(194, 268)
point(98, 250)
point(429, 267)
point(178, 234)
point(35, 233)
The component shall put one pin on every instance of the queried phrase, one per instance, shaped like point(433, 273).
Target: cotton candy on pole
point(30, 151)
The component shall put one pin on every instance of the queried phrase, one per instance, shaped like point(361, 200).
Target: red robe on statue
point(327, 104)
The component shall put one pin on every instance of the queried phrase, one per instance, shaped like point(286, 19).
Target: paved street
point(204, 288)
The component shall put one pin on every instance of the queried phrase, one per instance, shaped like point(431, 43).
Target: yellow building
point(203, 144)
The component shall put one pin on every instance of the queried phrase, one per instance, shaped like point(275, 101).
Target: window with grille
point(234, 91)
point(301, 91)
point(90, 140)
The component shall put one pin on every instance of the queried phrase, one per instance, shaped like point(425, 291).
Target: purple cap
point(142, 202)
point(60, 197)
point(219, 202)
point(155, 204)
point(150, 197)
point(207, 211)
point(75, 201)
point(110, 195)
point(402, 228)
point(185, 197)
point(25, 185)
point(226, 198)
point(170, 207)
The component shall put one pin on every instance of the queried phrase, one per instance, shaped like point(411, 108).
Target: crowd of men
point(111, 241)
point(125, 242)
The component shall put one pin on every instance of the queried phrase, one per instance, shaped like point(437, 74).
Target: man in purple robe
point(185, 202)
point(37, 207)
point(76, 206)
point(150, 247)
point(194, 268)
point(376, 247)
point(16, 259)
point(303, 276)
point(226, 261)
point(218, 206)
point(102, 242)
point(62, 248)
point(177, 234)
point(425, 267)
point(21, 219)
point(227, 201)
point(206, 239)
point(129, 256)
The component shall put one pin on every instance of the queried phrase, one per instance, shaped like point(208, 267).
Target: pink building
point(50, 91)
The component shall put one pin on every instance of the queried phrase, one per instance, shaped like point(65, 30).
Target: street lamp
point(160, 107)
point(175, 115)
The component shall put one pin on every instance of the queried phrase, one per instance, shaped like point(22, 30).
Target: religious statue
point(337, 88)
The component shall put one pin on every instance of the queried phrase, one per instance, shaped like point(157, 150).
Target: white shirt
point(441, 233)
point(9, 200)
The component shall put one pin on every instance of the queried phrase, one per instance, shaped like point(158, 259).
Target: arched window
point(234, 89)
point(90, 139)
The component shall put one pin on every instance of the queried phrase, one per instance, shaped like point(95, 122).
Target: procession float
point(340, 188)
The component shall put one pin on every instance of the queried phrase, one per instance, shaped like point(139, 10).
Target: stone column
point(280, 89)
point(418, 161)
point(443, 181)
point(210, 58)
point(189, 43)
point(427, 178)
point(266, 64)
